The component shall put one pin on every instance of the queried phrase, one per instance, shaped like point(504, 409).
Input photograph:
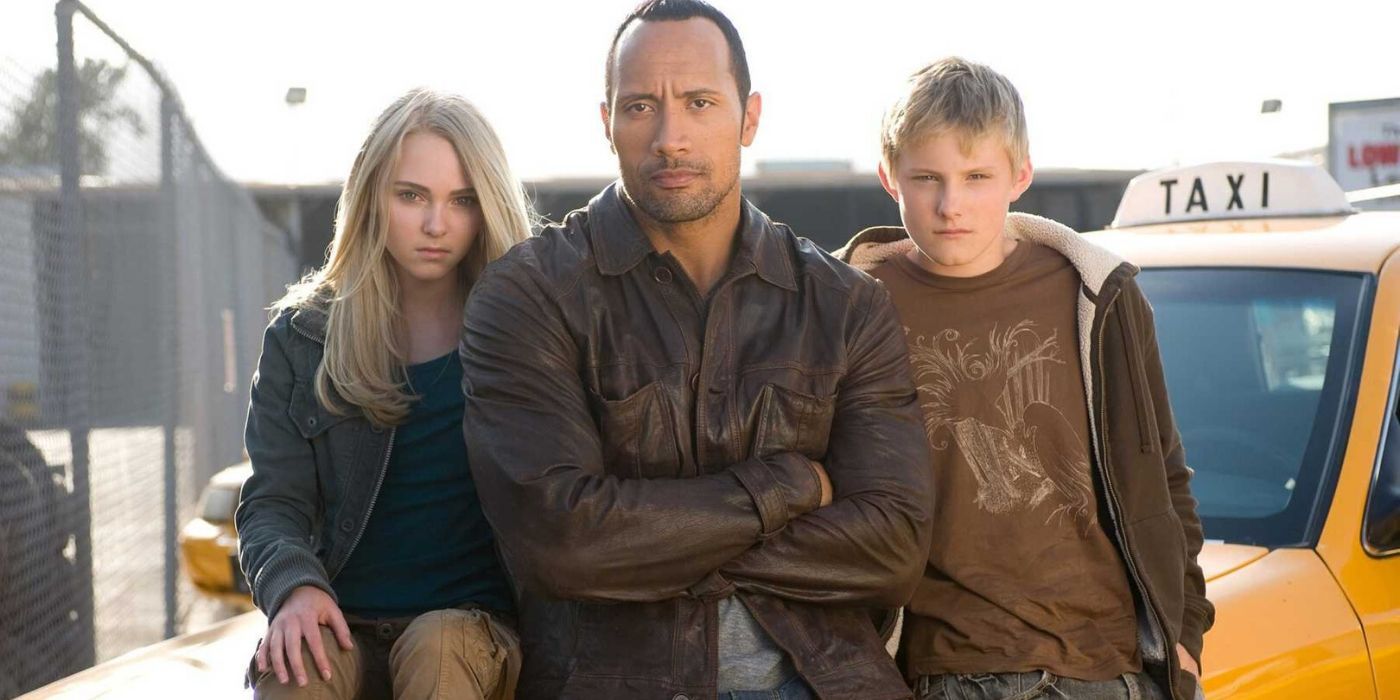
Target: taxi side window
point(1382, 531)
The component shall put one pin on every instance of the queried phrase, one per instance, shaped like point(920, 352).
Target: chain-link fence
point(132, 295)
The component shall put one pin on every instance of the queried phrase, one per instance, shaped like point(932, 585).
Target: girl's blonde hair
point(358, 284)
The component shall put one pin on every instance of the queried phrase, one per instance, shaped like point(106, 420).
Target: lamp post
point(295, 97)
point(1269, 111)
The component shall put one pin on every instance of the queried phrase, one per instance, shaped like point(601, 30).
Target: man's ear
point(887, 181)
point(606, 115)
point(1024, 175)
point(753, 109)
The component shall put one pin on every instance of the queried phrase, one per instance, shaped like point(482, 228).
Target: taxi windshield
point(1261, 367)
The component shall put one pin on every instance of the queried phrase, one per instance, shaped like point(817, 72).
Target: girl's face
point(434, 215)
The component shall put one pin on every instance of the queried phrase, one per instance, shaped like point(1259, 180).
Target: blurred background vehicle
point(209, 541)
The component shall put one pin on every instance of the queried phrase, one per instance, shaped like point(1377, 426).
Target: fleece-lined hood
point(875, 245)
point(1095, 264)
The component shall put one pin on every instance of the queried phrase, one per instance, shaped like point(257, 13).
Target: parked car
point(209, 542)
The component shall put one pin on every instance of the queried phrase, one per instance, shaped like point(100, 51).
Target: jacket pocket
point(1137, 380)
point(621, 640)
point(1159, 545)
point(334, 446)
point(638, 434)
point(791, 421)
point(310, 417)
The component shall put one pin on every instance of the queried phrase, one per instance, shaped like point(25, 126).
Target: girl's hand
point(301, 618)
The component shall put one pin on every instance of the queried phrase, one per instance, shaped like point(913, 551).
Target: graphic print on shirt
point(993, 405)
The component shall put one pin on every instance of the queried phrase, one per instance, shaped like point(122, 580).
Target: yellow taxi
point(209, 542)
point(1278, 309)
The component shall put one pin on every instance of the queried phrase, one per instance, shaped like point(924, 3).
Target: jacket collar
point(309, 319)
point(1095, 264)
point(619, 244)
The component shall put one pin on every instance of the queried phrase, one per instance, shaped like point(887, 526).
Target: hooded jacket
point(1140, 471)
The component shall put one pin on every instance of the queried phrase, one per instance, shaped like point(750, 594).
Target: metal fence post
point(171, 348)
point(70, 280)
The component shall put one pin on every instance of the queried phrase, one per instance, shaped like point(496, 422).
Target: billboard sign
point(1363, 148)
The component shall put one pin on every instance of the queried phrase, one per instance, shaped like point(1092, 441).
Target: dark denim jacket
point(304, 508)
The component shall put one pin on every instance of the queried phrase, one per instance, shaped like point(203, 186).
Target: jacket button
point(347, 525)
point(681, 696)
point(662, 275)
point(376, 429)
point(695, 382)
point(311, 421)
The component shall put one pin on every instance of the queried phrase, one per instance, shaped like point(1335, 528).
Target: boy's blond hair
point(954, 95)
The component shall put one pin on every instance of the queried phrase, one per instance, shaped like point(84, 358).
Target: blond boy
point(1064, 554)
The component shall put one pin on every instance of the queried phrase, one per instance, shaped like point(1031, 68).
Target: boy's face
point(954, 202)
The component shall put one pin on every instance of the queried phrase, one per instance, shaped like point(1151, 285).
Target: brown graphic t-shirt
point(1021, 575)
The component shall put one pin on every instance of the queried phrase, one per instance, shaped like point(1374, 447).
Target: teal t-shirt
point(427, 545)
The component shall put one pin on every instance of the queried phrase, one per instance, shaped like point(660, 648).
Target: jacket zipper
point(383, 470)
point(1115, 508)
point(374, 498)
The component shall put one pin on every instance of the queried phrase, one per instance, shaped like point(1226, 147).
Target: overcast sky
point(1106, 84)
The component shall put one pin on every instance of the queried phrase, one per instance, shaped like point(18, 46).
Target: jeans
point(1034, 685)
point(794, 689)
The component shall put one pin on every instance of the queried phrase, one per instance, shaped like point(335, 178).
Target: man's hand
point(301, 618)
point(1188, 663)
point(823, 480)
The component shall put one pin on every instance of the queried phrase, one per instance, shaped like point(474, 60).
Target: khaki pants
point(440, 654)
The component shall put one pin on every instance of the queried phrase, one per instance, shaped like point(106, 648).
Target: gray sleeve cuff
point(277, 579)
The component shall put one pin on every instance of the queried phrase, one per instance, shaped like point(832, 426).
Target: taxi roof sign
point(1231, 190)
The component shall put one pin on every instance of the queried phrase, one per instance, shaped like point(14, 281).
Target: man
point(694, 433)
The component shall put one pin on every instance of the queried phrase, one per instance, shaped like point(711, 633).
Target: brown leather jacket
point(1140, 472)
point(641, 452)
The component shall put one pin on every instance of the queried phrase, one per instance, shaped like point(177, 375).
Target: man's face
point(953, 201)
point(676, 120)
